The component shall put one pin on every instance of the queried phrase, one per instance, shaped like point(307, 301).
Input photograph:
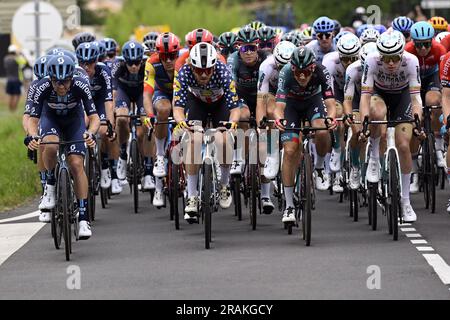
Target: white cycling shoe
point(116, 187)
point(158, 199)
point(45, 216)
point(408, 213)
point(267, 205)
point(271, 167)
point(322, 180)
point(121, 169)
point(289, 215)
point(440, 159)
point(85, 231)
point(237, 167)
point(105, 179)
point(148, 182)
point(159, 168)
point(335, 161)
point(225, 197)
point(337, 187)
point(48, 199)
point(355, 178)
point(373, 170)
point(414, 186)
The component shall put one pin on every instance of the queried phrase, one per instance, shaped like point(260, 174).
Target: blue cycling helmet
point(53, 51)
point(111, 45)
point(88, 52)
point(422, 30)
point(323, 25)
point(338, 36)
point(64, 52)
point(61, 67)
point(132, 51)
point(101, 49)
point(380, 28)
point(40, 66)
point(361, 29)
point(402, 24)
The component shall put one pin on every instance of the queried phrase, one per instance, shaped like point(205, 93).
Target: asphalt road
point(142, 256)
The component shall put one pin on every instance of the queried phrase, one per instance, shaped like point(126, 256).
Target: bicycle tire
point(135, 173)
point(253, 194)
point(394, 193)
point(90, 173)
point(373, 204)
point(63, 185)
point(103, 197)
point(354, 203)
point(206, 202)
point(443, 176)
point(175, 194)
point(237, 196)
point(433, 172)
point(306, 197)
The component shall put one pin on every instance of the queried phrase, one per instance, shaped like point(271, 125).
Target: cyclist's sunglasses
point(424, 44)
point(324, 36)
point(134, 62)
point(388, 58)
point(406, 34)
point(64, 82)
point(87, 63)
point(306, 71)
point(268, 44)
point(248, 47)
point(347, 60)
point(201, 71)
point(111, 54)
point(168, 56)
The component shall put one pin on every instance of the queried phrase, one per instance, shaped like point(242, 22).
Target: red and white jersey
point(376, 73)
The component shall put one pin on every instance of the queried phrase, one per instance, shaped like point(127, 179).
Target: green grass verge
point(19, 179)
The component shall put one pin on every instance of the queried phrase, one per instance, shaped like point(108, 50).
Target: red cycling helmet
point(167, 42)
point(199, 35)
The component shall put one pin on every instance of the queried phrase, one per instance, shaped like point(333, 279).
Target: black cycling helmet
point(303, 57)
point(337, 27)
point(151, 36)
point(266, 33)
point(82, 37)
point(247, 35)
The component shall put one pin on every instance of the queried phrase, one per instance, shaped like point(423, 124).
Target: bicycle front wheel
point(394, 193)
point(135, 172)
point(254, 194)
point(63, 199)
point(306, 198)
point(206, 202)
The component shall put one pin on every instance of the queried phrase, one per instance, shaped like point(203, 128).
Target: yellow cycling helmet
point(439, 23)
point(235, 30)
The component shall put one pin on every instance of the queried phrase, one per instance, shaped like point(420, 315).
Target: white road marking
point(22, 217)
point(15, 236)
point(408, 229)
point(425, 248)
point(440, 266)
point(413, 235)
point(421, 241)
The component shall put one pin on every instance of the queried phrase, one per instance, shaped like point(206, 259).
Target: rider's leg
point(163, 108)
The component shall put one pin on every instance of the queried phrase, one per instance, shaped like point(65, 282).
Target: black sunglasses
point(420, 44)
point(324, 35)
point(134, 63)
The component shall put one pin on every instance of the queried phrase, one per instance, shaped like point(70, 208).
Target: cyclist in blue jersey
point(101, 89)
point(128, 85)
point(323, 28)
point(59, 105)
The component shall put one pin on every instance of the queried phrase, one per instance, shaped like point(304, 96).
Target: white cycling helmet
point(283, 52)
point(391, 43)
point(441, 36)
point(203, 55)
point(369, 35)
point(348, 45)
point(367, 49)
